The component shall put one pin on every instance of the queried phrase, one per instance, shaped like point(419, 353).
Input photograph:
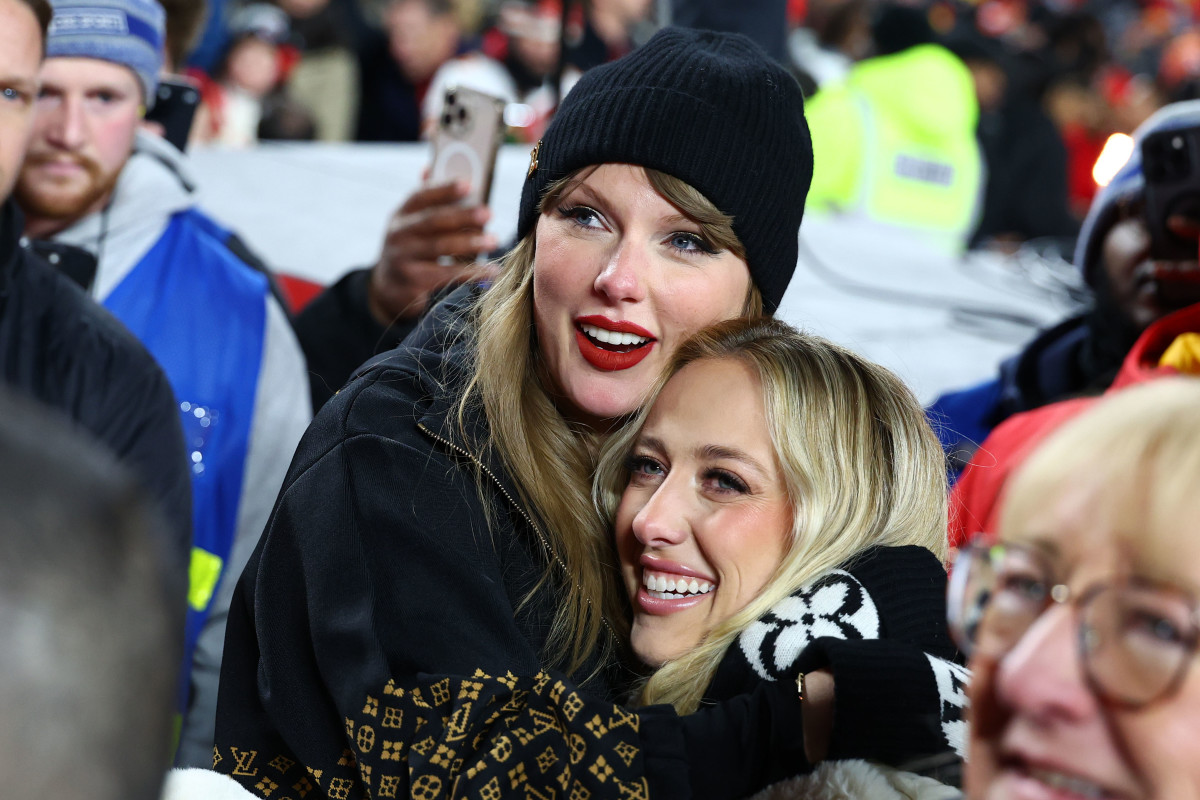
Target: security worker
point(896, 143)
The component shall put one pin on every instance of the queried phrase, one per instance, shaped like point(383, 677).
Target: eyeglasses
point(1136, 639)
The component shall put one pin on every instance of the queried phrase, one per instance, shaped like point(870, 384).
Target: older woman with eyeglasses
point(1081, 617)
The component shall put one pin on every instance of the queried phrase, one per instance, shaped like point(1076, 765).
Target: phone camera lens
point(447, 119)
point(462, 114)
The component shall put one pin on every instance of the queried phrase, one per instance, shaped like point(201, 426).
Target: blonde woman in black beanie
point(433, 608)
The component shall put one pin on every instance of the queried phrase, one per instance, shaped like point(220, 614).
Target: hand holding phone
point(466, 140)
point(431, 226)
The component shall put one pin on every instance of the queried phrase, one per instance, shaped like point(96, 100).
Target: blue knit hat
point(1127, 184)
point(125, 32)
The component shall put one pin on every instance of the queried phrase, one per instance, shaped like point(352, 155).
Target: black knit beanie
point(711, 109)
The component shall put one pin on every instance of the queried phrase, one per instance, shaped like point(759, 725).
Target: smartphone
point(1171, 166)
point(174, 108)
point(465, 141)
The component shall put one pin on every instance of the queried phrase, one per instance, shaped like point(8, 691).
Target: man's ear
point(154, 128)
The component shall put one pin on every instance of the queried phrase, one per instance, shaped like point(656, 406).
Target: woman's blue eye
point(581, 215)
point(691, 242)
point(643, 467)
point(1152, 624)
point(1029, 588)
point(1163, 630)
point(726, 481)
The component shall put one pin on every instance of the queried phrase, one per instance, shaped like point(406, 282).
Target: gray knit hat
point(1129, 183)
point(125, 32)
point(711, 109)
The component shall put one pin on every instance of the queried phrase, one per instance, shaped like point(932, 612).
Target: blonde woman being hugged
point(780, 516)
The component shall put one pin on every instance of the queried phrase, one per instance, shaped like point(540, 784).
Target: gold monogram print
point(489, 737)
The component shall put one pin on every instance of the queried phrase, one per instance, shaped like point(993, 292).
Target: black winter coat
point(62, 349)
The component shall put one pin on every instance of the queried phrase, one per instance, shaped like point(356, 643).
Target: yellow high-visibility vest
point(896, 141)
point(204, 571)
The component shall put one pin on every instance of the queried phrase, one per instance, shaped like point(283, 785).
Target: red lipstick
point(612, 325)
point(612, 358)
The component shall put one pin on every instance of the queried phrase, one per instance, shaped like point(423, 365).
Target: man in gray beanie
point(92, 179)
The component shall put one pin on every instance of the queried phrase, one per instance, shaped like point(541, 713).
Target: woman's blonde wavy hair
point(860, 464)
point(550, 460)
point(1135, 455)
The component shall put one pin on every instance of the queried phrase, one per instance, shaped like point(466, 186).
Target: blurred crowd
point(1053, 81)
point(341, 70)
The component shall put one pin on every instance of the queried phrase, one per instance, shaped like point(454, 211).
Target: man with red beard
point(91, 179)
point(1132, 287)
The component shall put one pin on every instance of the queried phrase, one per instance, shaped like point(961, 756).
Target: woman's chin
point(650, 660)
point(653, 646)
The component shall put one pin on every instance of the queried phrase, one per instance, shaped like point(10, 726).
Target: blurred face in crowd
point(253, 66)
point(87, 114)
point(704, 521)
point(1107, 710)
point(1145, 288)
point(419, 40)
point(628, 10)
point(534, 33)
point(301, 9)
point(20, 60)
point(990, 82)
point(621, 278)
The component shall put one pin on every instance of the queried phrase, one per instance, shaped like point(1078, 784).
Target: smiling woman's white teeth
point(672, 588)
point(612, 337)
point(1057, 780)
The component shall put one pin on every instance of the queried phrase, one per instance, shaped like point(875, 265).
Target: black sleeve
point(739, 746)
point(143, 429)
point(893, 702)
point(338, 333)
point(113, 387)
